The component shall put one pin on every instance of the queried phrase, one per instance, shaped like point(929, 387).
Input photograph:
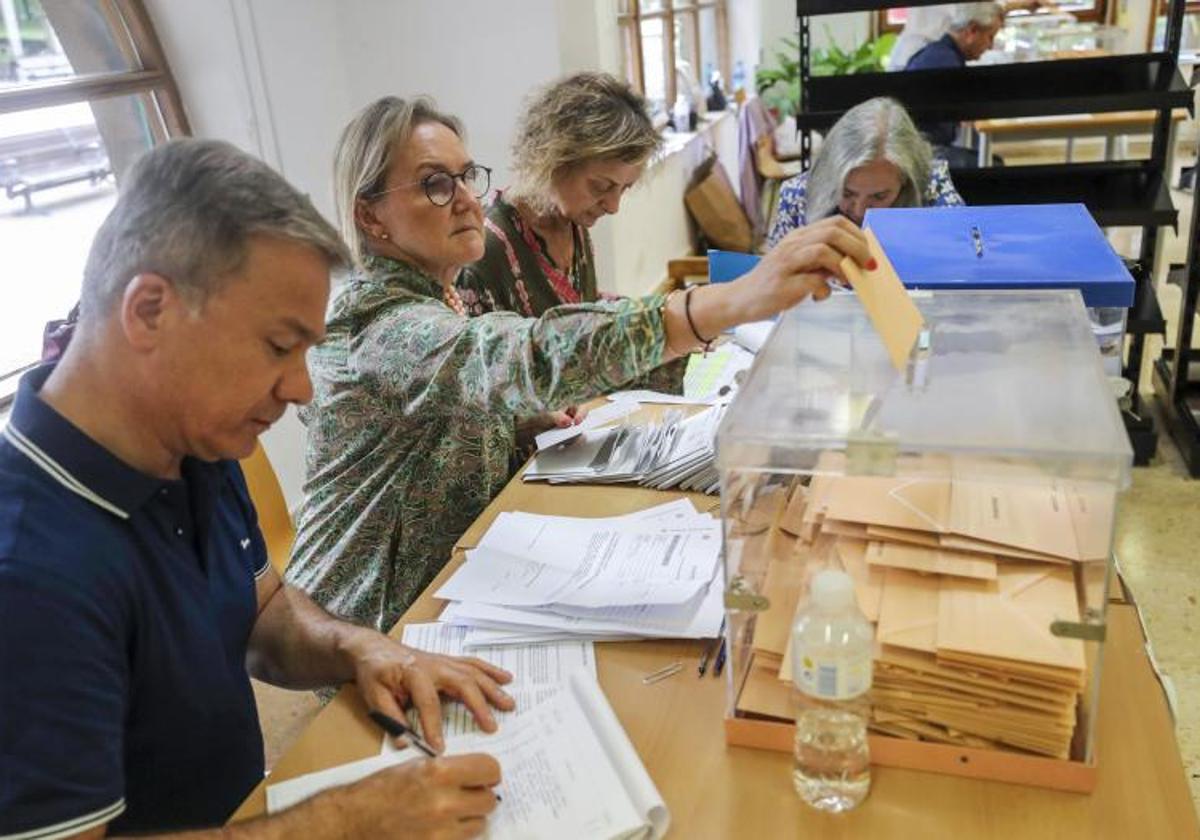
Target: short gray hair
point(187, 211)
point(981, 14)
point(580, 118)
point(878, 129)
point(364, 153)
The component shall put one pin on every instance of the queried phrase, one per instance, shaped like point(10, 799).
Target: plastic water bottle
point(832, 647)
point(739, 76)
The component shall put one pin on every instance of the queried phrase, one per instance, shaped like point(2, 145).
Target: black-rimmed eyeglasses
point(439, 186)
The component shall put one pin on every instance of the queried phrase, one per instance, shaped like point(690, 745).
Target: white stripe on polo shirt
point(69, 828)
point(58, 472)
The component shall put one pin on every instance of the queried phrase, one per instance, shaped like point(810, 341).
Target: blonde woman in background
point(582, 142)
point(411, 426)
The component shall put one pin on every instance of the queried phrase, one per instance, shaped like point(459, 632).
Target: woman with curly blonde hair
point(582, 142)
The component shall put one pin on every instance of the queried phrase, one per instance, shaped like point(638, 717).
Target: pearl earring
point(383, 235)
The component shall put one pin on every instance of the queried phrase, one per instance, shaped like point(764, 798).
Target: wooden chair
point(774, 170)
point(681, 271)
point(273, 517)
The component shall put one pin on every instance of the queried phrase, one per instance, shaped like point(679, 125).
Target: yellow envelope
point(1033, 516)
point(908, 612)
point(1009, 619)
point(931, 560)
point(888, 305)
point(914, 504)
point(868, 582)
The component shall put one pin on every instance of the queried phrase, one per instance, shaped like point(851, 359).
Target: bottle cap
point(832, 589)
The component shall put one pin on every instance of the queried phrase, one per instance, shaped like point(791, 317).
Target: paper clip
point(662, 673)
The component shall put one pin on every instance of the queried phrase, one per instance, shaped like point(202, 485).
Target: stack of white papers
point(597, 417)
point(533, 578)
point(567, 770)
point(677, 452)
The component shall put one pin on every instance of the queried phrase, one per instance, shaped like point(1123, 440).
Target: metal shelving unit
point(1122, 193)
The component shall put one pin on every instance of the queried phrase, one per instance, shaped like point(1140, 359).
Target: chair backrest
point(273, 517)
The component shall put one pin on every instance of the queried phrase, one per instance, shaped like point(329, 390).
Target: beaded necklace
point(452, 299)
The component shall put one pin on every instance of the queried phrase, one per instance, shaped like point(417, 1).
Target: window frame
point(629, 24)
point(150, 78)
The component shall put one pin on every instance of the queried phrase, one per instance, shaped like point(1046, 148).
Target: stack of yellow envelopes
point(963, 579)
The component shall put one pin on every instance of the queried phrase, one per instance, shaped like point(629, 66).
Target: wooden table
point(1109, 126)
point(718, 791)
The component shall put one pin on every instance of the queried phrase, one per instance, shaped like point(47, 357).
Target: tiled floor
point(1158, 535)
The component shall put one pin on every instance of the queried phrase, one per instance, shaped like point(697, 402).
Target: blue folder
point(1041, 246)
point(724, 266)
point(1037, 246)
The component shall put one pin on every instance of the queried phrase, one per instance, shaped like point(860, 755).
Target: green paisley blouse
point(411, 427)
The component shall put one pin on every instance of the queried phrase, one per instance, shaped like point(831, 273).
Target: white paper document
point(701, 620)
point(499, 578)
point(658, 397)
point(477, 637)
point(567, 770)
point(652, 573)
point(539, 670)
point(754, 335)
point(684, 548)
point(596, 418)
point(674, 451)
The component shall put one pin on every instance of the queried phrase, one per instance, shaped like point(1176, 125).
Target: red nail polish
point(872, 265)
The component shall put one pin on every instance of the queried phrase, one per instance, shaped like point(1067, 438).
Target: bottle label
point(833, 679)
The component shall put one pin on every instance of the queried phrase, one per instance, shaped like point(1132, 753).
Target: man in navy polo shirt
point(972, 31)
point(135, 592)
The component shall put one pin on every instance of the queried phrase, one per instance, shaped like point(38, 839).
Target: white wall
point(265, 76)
point(653, 225)
point(475, 57)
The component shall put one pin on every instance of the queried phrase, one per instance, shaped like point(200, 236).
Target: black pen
point(709, 648)
point(397, 729)
point(719, 665)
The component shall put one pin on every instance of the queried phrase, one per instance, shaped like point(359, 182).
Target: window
point(666, 43)
point(1190, 36)
point(84, 90)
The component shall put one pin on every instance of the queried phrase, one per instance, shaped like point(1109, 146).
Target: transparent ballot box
point(971, 498)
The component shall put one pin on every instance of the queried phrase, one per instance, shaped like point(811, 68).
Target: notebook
point(567, 770)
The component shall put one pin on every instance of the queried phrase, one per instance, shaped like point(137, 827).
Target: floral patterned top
point(411, 432)
point(517, 274)
point(792, 211)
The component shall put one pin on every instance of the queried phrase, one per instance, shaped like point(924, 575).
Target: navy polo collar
point(69, 456)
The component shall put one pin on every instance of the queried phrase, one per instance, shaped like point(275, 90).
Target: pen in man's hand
point(397, 729)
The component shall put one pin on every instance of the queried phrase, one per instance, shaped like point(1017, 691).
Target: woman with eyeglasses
point(411, 426)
